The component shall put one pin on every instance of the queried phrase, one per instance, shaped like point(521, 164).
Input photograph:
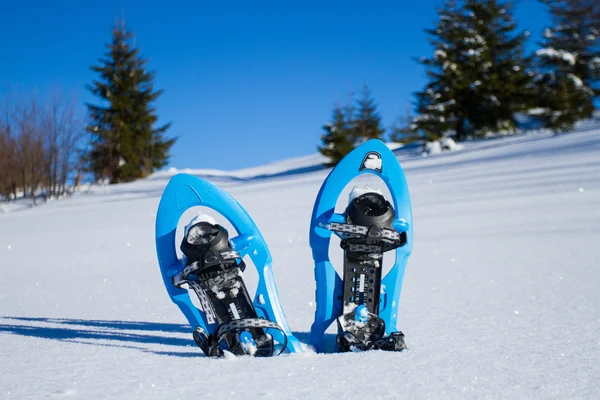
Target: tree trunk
point(460, 129)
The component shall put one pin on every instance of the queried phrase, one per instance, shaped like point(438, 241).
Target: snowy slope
point(500, 297)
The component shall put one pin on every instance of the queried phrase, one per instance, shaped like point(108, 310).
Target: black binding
point(366, 235)
point(214, 271)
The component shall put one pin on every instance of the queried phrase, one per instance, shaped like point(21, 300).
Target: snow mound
point(442, 145)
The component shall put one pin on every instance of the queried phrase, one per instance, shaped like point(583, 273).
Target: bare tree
point(63, 131)
point(39, 145)
point(7, 150)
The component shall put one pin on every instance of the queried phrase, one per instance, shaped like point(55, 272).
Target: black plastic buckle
point(212, 258)
point(374, 235)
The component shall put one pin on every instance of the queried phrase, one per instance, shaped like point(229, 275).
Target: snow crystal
point(440, 54)
point(234, 292)
point(548, 33)
point(553, 53)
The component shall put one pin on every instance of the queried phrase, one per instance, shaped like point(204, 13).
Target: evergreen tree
point(404, 130)
point(125, 144)
point(339, 138)
point(367, 121)
point(438, 110)
point(569, 63)
point(477, 75)
point(506, 81)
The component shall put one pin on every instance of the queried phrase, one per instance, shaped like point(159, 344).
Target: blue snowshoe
point(212, 266)
point(362, 301)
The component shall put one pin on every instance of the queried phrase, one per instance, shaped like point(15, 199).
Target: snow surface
point(501, 296)
point(553, 53)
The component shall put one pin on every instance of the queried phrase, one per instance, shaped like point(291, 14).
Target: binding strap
point(395, 342)
point(210, 344)
point(364, 239)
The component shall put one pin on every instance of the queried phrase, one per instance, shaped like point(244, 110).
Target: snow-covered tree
point(569, 63)
point(436, 105)
point(478, 74)
point(503, 79)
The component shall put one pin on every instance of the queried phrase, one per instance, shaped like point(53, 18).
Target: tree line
point(47, 143)
point(479, 76)
point(39, 150)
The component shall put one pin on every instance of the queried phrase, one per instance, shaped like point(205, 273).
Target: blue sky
point(245, 82)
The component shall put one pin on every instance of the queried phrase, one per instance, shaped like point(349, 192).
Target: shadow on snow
point(111, 333)
point(105, 333)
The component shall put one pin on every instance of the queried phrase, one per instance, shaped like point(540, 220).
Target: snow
point(358, 191)
point(473, 52)
point(432, 148)
point(449, 144)
point(576, 80)
point(474, 38)
point(441, 107)
point(373, 162)
point(537, 111)
point(553, 53)
point(438, 146)
point(506, 225)
point(201, 217)
point(451, 65)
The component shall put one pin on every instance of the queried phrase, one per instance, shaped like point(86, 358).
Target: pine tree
point(367, 121)
point(506, 82)
point(438, 110)
point(339, 138)
point(569, 63)
point(125, 144)
point(404, 130)
point(477, 75)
